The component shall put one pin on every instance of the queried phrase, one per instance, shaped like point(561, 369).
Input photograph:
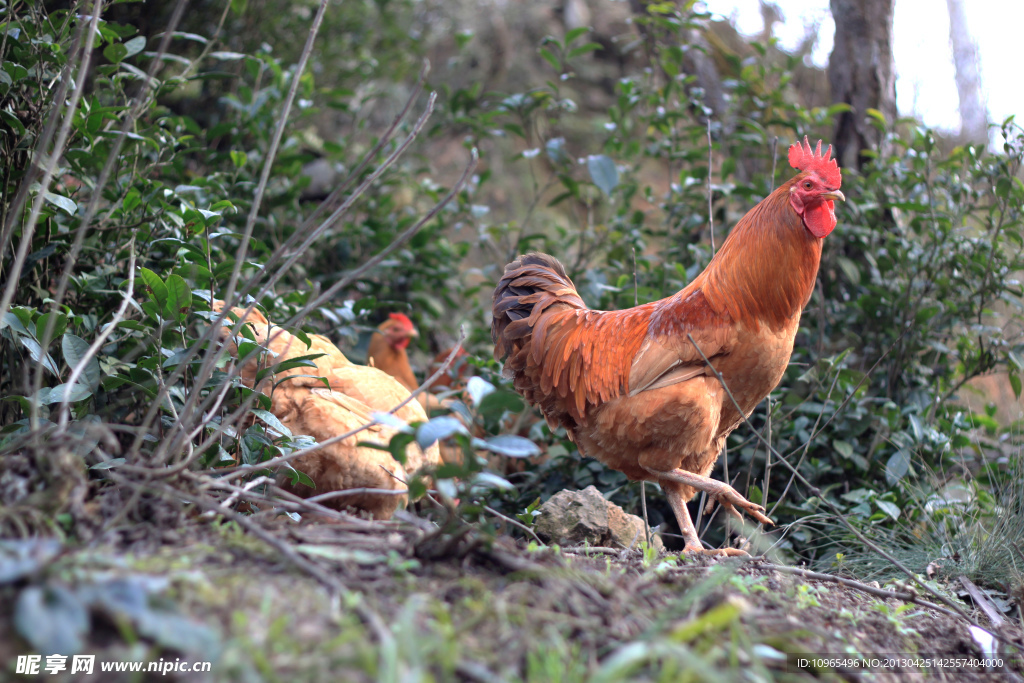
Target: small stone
point(572, 518)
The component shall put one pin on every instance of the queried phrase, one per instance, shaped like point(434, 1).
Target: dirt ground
point(408, 600)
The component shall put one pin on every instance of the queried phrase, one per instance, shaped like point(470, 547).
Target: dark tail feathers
point(531, 284)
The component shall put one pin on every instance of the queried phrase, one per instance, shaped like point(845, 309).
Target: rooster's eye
point(807, 184)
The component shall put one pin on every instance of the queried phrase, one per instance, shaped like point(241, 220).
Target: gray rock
point(571, 518)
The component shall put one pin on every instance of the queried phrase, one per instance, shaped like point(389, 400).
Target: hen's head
point(813, 193)
point(398, 330)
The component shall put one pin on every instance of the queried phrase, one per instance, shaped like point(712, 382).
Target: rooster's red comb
point(802, 158)
point(402, 319)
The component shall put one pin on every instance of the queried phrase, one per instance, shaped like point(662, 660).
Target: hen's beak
point(414, 333)
point(834, 194)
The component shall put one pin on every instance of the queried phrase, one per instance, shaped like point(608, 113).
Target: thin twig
point(643, 482)
point(395, 244)
point(515, 523)
point(711, 215)
point(97, 343)
point(331, 495)
point(807, 446)
point(905, 596)
point(384, 139)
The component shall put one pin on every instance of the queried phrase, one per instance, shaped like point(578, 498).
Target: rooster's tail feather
point(532, 285)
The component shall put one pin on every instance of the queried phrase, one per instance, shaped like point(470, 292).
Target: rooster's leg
point(727, 496)
point(674, 493)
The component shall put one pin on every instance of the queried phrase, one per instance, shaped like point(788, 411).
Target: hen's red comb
point(401, 318)
point(803, 159)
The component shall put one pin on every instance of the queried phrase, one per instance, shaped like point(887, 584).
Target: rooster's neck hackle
point(765, 271)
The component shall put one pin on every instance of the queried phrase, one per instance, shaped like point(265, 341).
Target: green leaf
point(60, 324)
point(66, 204)
point(755, 495)
point(390, 420)
point(298, 477)
point(437, 429)
point(926, 314)
point(13, 121)
point(888, 508)
point(584, 49)
point(550, 58)
point(478, 388)
point(843, 448)
point(508, 445)
point(134, 46)
point(838, 108)
point(37, 353)
point(497, 402)
point(156, 287)
point(74, 349)
point(603, 172)
point(12, 320)
point(897, 467)
point(322, 380)
point(238, 158)
point(490, 480)
point(850, 269)
point(575, 33)
point(78, 392)
point(115, 52)
point(399, 442)
point(555, 148)
point(131, 200)
point(179, 298)
point(877, 118)
point(108, 464)
point(1015, 384)
point(271, 421)
point(285, 365)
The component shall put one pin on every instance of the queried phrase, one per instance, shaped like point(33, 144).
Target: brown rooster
point(630, 387)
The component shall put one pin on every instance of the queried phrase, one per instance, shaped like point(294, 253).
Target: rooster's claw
point(720, 552)
point(730, 499)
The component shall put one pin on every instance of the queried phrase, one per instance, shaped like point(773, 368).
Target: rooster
point(632, 387)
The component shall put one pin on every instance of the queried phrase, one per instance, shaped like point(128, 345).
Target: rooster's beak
point(834, 194)
point(414, 333)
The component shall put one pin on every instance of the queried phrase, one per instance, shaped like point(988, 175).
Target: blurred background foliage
point(594, 137)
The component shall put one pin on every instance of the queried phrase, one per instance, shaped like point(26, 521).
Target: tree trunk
point(973, 117)
point(862, 73)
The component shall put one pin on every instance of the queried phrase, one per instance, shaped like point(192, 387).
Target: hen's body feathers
point(306, 406)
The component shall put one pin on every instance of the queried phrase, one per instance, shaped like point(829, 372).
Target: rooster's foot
point(730, 499)
point(726, 495)
point(717, 552)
